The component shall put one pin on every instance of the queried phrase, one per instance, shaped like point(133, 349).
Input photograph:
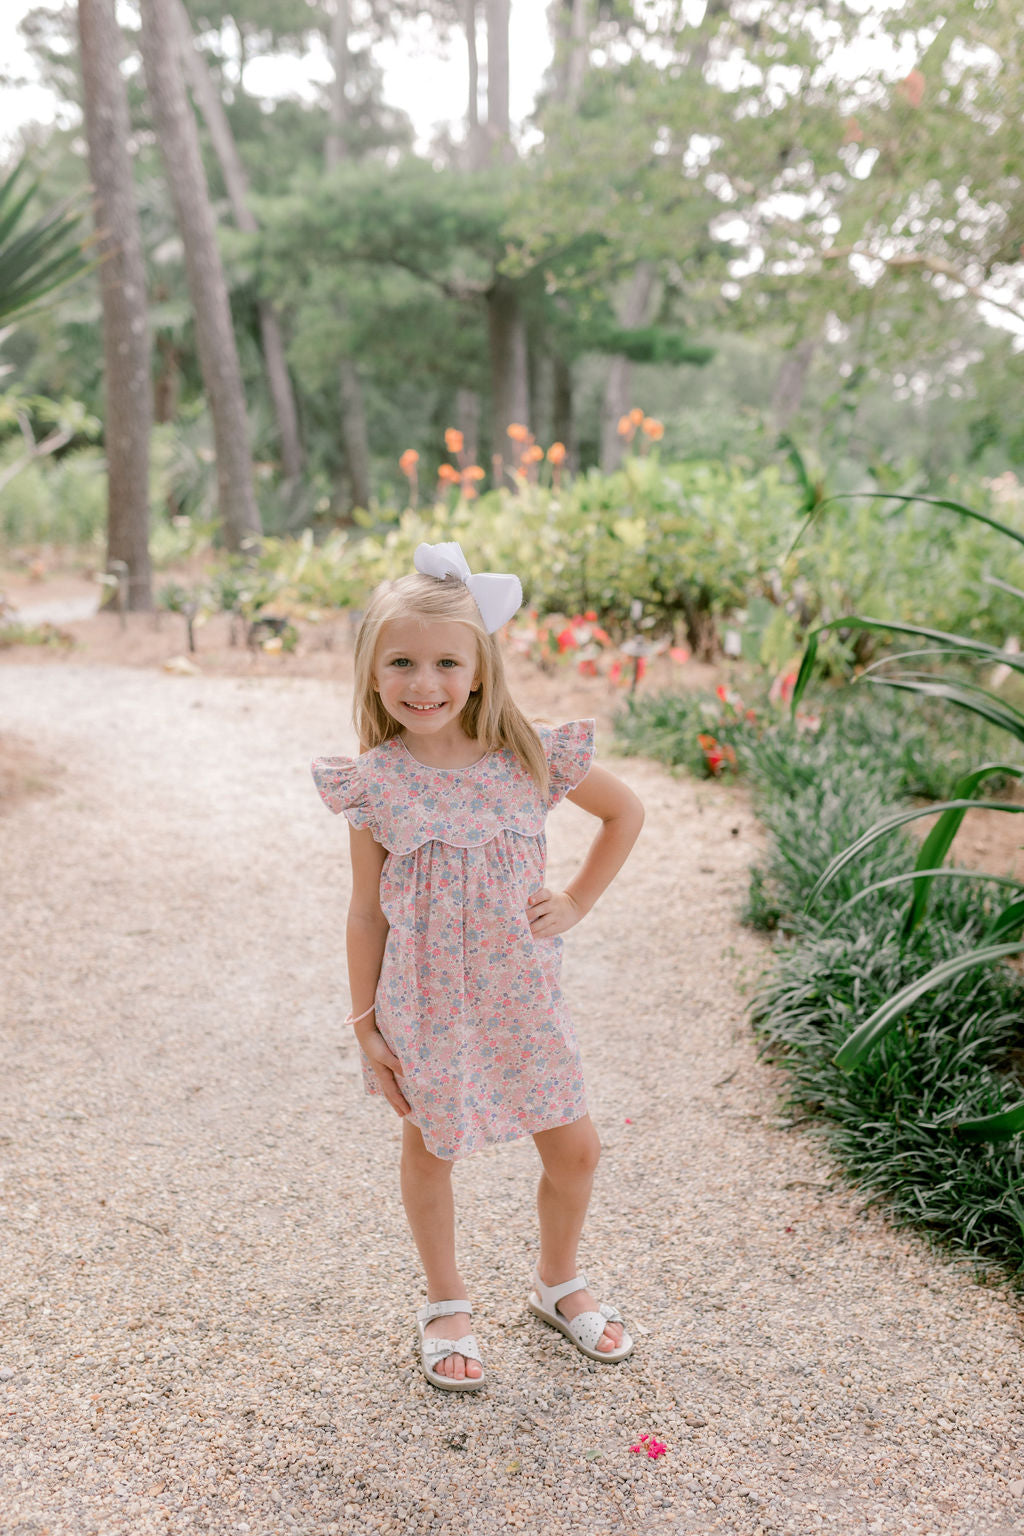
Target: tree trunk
point(791, 381)
point(350, 389)
point(476, 150)
point(467, 419)
point(572, 22)
point(336, 148)
point(509, 389)
point(218, 355)
point(207, 98)
point(499, 127)
point(633, 312)
point(563, 427)
point(167, 383)
point(126, 335)
point(354, 434)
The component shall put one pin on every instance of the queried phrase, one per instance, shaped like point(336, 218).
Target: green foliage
point(701, 547)
point(54, 501)
point(38, 257)
point(893, 1123)
point(50, 636)
point(669, 726)
point(978, 703)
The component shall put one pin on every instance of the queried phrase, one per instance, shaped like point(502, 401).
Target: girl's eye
point(448, 662)
point(401, 661)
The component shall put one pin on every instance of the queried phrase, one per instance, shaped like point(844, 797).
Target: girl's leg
point(430, 1208)
point(569, 1154)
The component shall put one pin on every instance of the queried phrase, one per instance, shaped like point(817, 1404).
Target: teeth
point(423, 708)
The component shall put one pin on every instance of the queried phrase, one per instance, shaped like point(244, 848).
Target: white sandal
point(433, 1351)
point(585, 1329)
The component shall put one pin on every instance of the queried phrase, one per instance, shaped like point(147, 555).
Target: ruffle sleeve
point(341, 783)
point(569, 750)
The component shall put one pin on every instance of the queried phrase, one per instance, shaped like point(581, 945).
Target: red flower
point(716, 754)
point(587, 667)
point(679, 653)
point(641, 668)
point(567, 640)
point(590, 616)
point(615, 672)
point(655, 1447)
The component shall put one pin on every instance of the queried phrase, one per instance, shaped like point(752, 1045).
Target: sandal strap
point(436, 1350)
point(587, 1327)
point(442, 1309)
point(550, 1295)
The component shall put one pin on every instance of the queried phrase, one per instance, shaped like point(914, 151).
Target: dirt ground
point(206, 1316)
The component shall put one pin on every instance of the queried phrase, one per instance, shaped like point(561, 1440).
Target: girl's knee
point(570, 1151)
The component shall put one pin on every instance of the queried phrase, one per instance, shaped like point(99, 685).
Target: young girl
point(453, 938)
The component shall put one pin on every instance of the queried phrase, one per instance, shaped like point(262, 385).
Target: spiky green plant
point(1001, 940)
point(37, 253)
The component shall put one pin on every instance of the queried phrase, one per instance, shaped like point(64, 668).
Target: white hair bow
point(497, 596)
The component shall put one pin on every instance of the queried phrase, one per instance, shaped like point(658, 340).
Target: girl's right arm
point(366, 935)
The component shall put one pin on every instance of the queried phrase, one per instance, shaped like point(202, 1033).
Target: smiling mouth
point(423, 709)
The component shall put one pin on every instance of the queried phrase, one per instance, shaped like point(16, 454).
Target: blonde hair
point(490, 715)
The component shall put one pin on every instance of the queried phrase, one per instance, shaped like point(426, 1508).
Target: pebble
point(205, 1258)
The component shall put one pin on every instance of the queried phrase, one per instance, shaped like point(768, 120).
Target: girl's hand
point(551, 913)
point(385, 1064)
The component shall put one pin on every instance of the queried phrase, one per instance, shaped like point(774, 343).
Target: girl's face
point(424, 672)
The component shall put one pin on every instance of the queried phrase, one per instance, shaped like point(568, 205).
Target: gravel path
point(207, 1291)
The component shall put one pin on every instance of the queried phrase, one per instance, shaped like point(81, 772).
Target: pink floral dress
point(468, 1000)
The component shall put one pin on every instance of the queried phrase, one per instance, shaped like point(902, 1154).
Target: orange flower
point(636, 415)
point(517, 432)
point(453, 440)
point(626, 427)
point(556, 453)
point(473, 472)
point(469, 491)
point(407, 463)
point(654, 429)
point(912, 88)
point(533, 455)
point(448, 473)
point(591, 616)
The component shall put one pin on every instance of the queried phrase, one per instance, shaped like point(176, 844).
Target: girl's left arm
point(621, 816)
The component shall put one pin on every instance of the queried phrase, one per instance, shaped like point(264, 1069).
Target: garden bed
point(892, 1121)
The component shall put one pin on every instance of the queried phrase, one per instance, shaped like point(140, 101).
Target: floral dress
point(468, 1000)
